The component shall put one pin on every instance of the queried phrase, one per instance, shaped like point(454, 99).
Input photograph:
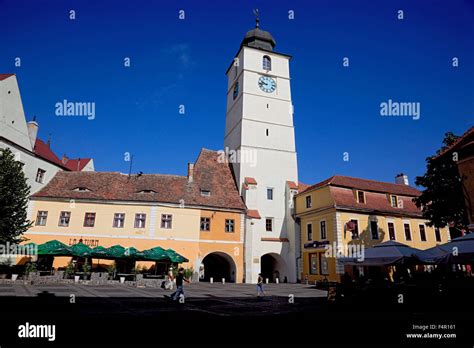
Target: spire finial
point(257, 19)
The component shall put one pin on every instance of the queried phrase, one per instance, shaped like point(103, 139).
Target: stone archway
point(273, 266)
point(217, 265)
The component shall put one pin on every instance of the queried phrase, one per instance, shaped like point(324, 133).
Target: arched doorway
point(217, 265)
point(273, 266)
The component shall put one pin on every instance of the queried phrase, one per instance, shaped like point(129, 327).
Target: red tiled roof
point(77, 164)
point(5, 76)
point(253, 214)
point(302, 187)
point(463, 138)
point(374, 201)
point(250, 181)
point(44, 151)
point(367, 185)
point(209, 174)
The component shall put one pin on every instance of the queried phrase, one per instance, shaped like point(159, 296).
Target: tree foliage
point(442, 201)
point(14, 192)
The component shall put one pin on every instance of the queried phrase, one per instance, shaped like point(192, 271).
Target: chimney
point(32, 131)
point(190, 172)
point(64, 159)
point(402, 179)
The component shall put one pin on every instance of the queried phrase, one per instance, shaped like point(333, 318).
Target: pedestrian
point(170, 282)
point(260, 285)
point(179, 285)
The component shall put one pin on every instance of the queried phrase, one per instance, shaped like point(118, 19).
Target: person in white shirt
point(170, 283)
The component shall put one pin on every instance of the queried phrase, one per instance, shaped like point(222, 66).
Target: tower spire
point(257, 19)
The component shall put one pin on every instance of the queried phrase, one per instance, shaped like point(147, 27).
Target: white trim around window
point(391, 221)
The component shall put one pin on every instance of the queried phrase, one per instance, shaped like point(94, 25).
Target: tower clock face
point(267, 84)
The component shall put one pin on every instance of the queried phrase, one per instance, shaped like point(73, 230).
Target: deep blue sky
point(184, 62)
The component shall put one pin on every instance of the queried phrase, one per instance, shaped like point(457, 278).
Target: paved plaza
point(118, 300)
point(193, 290)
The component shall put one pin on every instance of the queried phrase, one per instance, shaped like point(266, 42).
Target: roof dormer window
point(394, 201)
point(146, 191)
point(205, 193)
point(360, 197)
point(81, 189)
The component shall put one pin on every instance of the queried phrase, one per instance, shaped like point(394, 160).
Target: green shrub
point(30, 267)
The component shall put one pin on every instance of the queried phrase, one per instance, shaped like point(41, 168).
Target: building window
point(140, 220)
point(313, 263)
point(89, 220)
point(267, 63)
point(322, 229)
point(437, 235)
point(40, 175)
point(267, 131)
point(355, 231)
point(236, 90)
point(374, 229)
point(422, 233)
point(391, 231)
point(269, 224)
point(119, 220)
point(205, 224)
point(229, 225)
point(270, 194)
point(361, 197)
point(309, 204)
point(407, 231)
point(394, 200)
point(64, 218)
point(205, 193)
point(309, 231)
point(41, 218)
point(166, 220)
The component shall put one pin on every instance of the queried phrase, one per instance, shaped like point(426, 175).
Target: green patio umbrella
point(134, 253)
point(55, 248)
point(116, 252)
point(157, 254)
point(99, 252)
point(80, 249)
point(175, 257)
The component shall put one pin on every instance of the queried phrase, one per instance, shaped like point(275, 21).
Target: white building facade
point(259, 127)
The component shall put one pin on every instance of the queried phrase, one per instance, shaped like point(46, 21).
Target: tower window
point(269, 224)
point(270, 194)
point(267, 63)
point(40, 175)
point(267, 132)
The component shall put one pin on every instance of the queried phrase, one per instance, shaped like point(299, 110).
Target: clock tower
point(260, 134)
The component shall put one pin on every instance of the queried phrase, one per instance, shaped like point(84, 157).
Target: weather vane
point(257, 20)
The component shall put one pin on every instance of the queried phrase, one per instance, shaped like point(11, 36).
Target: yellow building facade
point(200, 216)
point(340, 215)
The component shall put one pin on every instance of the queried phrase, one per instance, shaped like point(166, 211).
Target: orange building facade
point(201, 215)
